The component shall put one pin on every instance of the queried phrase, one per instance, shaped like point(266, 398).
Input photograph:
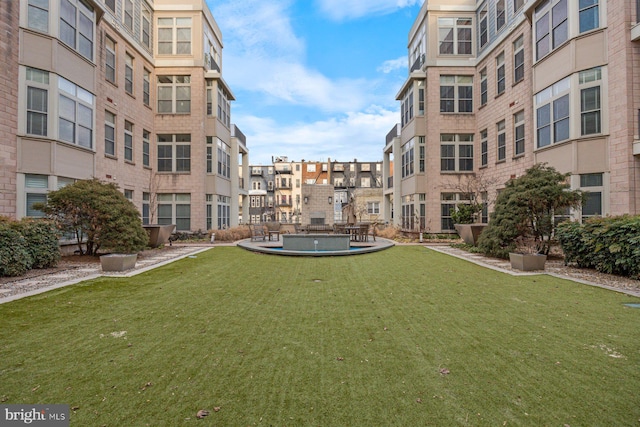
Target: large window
point(174, 94)
point(590, 104)
point(37, 101)
point(501, 15)
point(38, 15)
point(146, 208)
point(518, 132)
point(145, 28)
point(128, 74)
point(146, 148)
point(109, 133)
point(408, 151)
point(589, 15)
point(174, 153)
point(146, 87)
point(174, 36)
point(518, 59)
point(224, 212)
point(552, 113)
point(454, 36)
point(501, 141)
point(484, 38)
point(484, 148)
point(75, 121)
point(448, 203)
point(517, 4)
point(483, 86)
point(36, 187)
point(175, 209)
point(77, 22)
point(110, 59)
point(373, 208)
point(421, 98)
point(592, 185)
point(456, 94)
point(551, 26)
point(422, 154)
point(127, 19)
point(500, 74)
point(456, 152)
point(128, 141)
point(406, 108)
point(224, 159)
point(224, 106)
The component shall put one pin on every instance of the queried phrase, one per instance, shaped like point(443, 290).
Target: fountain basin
point(315, 242)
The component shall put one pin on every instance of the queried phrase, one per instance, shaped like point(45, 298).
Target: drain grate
point(633, 304)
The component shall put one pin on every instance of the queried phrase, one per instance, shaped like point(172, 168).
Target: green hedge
point(27, 244)
point(610, 245)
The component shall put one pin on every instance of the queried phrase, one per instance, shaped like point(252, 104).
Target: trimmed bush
point(610, 245)
point(15, 259)
point(41, 238)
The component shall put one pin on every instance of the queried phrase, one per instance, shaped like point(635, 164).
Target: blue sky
point(315, 79)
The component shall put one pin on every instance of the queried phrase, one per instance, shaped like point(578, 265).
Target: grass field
point(403, 337)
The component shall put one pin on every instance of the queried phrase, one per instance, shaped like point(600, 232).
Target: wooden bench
point(257, 232)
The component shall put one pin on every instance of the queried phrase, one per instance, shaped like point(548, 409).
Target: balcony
point(418, 63)
point(210, 63)
point(393, 133)
point(390, 182)
point(237, 133)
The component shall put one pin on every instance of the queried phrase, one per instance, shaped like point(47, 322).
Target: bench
point(257, 232)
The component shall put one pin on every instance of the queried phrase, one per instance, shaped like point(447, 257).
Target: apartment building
point(130, 92)
point(497, 86)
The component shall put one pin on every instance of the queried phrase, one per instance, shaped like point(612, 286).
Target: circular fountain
point(315, 245)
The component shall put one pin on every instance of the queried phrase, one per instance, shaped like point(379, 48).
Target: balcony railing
point(419, 62)
point(237, 133)
point(393, 133)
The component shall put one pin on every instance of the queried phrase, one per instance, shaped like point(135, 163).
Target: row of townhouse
point(496, 86)
point(313, 192)
point(125, 91)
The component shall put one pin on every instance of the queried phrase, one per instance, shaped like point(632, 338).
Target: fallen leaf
point(75, 408)
point(419, 400)
point(340, 358)
point(444, 371)
point(202, 413)
point(35, 388)
point(144, 387)
point(216, 409)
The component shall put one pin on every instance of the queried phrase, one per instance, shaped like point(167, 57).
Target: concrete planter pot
point(469, 232)
point(159, 234)
point(118, 262)
point(527, 262)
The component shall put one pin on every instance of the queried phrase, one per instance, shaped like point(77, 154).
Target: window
point(517, 4)
point(174, 94)
point(483, 26)
point(224, 159)
point(210, 90)
point(111, 4)
point(109, 133)
point(75, 107)
point(175, 209)
point(551, 26)
point(518, 132)
point(590, 118)
point(406, 107)
point(224, 107)
point(552, 113)
point(210, 154)
point(407, 159)
point(484, 148)
point(454, 36)
point(128, 14)
point(422, 154)
point(174, 36)
point(456, 152)
point(128, 194)
point(146, 87)
point(500, 74)
point(146, 27)
point(311, 168)
point(456, 94)
point(38, 15)
point(128, 141)
point(588, 12)
point(77, 22)
point(146, 148)
point(448, 203)
point(110, 59)
point(365, 182)
point(373, 208)
point(174, 153)
point(128, 74)
point(146, 208)
point(37, 101)
point(421, 98)
point(518, 59)
point(500, 14)
point(408, 212)
point(224, 212)
point(483, 86)
point(502, 141)
point(593, 185)
point(36, 187)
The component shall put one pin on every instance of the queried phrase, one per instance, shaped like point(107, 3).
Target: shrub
point(41, 239)
point(231, 234)
point(524, 212)
point(610, 245)
point(99, 215)
point(15, 260)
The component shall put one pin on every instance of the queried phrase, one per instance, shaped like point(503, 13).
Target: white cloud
point(354, 135)
point(351, 9)
point(393, 64)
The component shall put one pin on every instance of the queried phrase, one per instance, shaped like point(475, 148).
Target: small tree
point(524, 212)
point(99, 215)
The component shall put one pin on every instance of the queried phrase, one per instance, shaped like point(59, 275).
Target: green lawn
point(403, 337)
